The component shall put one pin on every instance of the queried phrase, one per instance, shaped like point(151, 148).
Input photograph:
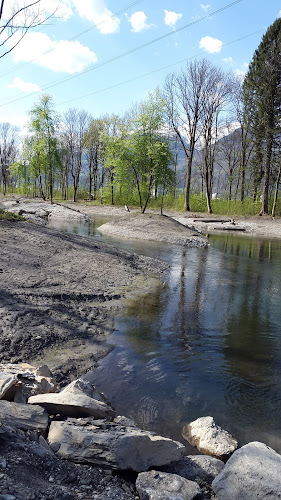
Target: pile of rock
point(79, 425)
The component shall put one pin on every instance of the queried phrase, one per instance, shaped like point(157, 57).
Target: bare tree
point(76, 125)
point(216, 93)
point(18, 20)
point(246, 144)
point(229, 156)
point(8, 149)
point(187, 95)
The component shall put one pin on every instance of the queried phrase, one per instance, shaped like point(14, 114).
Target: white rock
point(252, 473)
point(155, 485)
point(112, 445)
point(25, 380)
point(75, 400)
point(209, 438)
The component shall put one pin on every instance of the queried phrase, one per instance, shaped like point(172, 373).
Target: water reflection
point(207, 343)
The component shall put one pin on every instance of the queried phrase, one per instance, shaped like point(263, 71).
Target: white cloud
point(210, 44)
point(171, 18)
point(97, 12)
point(205, 7)
point(138, 22)
point(62, 9)
point(18, 120)
point(18, 83)
point(228, 60)
point(69, 57)
point(241, 72)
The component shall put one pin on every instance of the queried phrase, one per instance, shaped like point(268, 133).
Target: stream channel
point(206, 343)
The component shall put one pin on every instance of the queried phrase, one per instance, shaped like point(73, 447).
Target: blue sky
point(87, 37)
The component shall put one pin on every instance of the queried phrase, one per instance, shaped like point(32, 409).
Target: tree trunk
point(276, 190)
point(148, 194)
point(264, 208)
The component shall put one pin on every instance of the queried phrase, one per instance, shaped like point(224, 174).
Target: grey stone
point(252, 473)
point(75, 400)
point(112, 445)
point(42, 442)
point(195, 467)
point(155, 485)
point(209, 438)
point(7, 380)
point(127, 422)
point(21, 416)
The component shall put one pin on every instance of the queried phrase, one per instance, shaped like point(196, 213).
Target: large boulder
point(75, 400)
point(23, 416)
point(196, 467)
point(252, 473)
point(155, 485)
point(112, 445)
point(209, 438)
point(19, 381)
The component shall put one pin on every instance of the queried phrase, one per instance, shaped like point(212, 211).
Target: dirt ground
point(60, 293)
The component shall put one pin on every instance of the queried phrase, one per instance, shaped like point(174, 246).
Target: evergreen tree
point(262, 97)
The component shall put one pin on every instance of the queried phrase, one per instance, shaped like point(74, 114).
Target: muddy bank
point(60, 293)
point(152, 227)
point(265, 226)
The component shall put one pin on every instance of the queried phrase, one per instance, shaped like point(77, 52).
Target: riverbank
point(60, 294)
point(264, 227)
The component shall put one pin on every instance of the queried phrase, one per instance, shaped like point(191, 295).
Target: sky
point(104, 56)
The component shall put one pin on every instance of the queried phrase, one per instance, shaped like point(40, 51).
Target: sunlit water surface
point(206, 343)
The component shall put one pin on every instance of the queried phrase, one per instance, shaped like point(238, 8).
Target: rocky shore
point(69, 444)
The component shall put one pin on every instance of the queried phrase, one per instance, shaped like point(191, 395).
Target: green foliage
point(4, 214)
point(262, 100)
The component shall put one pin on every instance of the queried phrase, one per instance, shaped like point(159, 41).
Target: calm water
point(207, 343)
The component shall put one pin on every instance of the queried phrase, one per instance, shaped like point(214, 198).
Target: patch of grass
point(9, 216)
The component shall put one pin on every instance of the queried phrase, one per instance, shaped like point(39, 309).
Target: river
point(208, 342)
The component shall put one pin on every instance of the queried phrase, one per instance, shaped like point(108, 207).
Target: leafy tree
point(262, 87)
point(8, 149)
point(44, 148)
point(93, 144)
point(151, 151)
